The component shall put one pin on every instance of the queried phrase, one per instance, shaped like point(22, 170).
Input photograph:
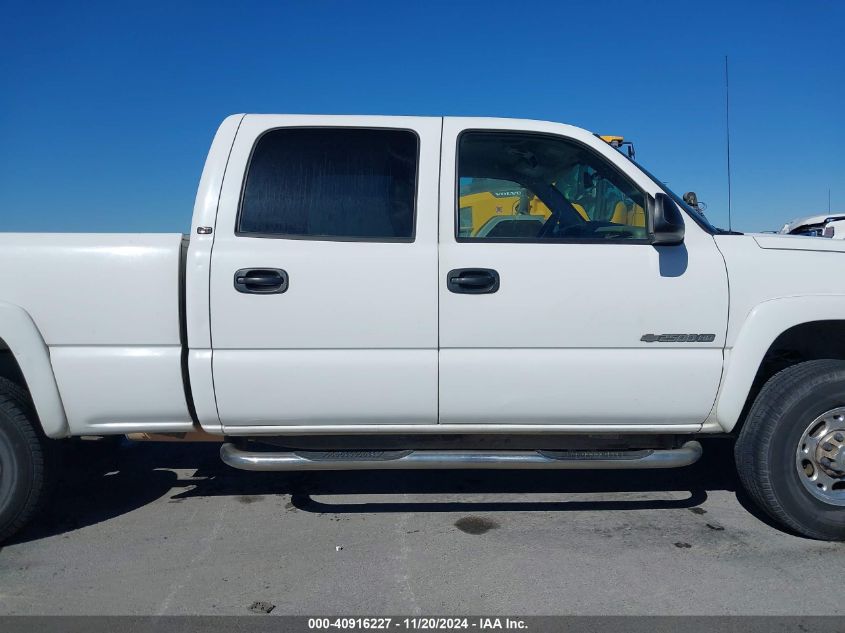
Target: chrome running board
point(433, 459)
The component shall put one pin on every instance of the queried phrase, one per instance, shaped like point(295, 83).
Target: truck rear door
point(323, 293)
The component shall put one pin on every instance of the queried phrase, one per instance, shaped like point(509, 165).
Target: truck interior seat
point(635, 216)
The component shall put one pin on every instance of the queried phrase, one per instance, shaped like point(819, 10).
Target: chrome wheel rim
point(820, 458)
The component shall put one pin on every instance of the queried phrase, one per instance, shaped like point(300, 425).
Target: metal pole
point(728, 139)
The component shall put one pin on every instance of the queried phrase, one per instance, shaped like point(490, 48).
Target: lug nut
point(839, 437)
point(827, 446)
point(826, 462)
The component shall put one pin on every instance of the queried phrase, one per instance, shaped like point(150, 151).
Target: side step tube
point(441, 459)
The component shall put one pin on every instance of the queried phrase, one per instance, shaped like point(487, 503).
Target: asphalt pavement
point(166, 528)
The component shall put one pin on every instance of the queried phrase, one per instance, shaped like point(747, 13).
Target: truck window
point(515, 186)
point(331, 183)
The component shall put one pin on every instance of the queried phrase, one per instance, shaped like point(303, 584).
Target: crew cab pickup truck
point(340, 304)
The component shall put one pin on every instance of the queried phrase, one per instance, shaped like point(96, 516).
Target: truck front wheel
point(790, 453)
point(25, 457)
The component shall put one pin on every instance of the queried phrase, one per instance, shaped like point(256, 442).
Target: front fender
point(765, 322)
point(24, 340)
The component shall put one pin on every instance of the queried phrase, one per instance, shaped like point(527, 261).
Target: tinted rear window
point(332, 183)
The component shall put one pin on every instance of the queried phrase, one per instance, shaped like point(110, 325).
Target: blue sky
point(107, 110)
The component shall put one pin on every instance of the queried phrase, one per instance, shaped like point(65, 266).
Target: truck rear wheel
point(790, 453)
point(25, 456)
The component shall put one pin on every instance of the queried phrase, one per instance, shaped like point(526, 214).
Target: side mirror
point(667, 221)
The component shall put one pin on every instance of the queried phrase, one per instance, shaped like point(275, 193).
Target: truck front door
point(553, 305)
point(323, 275)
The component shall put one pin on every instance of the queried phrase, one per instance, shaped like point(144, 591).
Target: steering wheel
point(554, 220)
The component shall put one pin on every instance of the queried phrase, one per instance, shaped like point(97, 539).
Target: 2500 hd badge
point(678, 338)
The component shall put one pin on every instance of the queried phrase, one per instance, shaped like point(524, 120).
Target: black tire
point(16, 393)
point(26, 457)
point(766, 448)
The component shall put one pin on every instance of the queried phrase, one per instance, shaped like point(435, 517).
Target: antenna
point(828, 200)
point(728, 137)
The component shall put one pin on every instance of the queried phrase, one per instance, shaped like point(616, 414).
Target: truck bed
point(108, 307)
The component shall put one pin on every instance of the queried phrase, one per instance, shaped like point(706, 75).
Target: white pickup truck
point(402, 292)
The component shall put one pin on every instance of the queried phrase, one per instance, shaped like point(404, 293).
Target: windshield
point(696, 214)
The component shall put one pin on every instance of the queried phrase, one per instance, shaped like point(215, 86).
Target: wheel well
point(815, 340)
point(9, 367)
